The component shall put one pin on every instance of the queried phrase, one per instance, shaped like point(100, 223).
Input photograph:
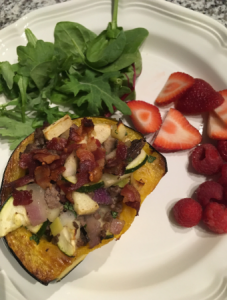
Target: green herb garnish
point(151, 158)
point(69, 206)
point(114, 214)
point(37, 236)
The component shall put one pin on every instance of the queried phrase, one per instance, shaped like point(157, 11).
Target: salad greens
point(88, 75)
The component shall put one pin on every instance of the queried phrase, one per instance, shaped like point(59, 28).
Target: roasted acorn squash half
point(45, 262)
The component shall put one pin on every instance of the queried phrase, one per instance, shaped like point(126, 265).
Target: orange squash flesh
point(45, 262)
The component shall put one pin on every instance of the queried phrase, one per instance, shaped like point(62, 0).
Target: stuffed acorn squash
point(72, 187)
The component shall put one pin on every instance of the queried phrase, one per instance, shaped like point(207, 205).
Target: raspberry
point(222, 149)
point(187, 212)
point(215, 217)
point(223, 179)
point(206, 159)
point(209, 190)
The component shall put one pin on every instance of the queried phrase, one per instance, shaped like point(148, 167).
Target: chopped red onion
point(37, 210)
point(102, 197)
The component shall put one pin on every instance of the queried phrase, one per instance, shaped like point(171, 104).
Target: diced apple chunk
point(118, 131)
point(70, 168)
point(102, 132)
point(83, 204)
point(57, 128)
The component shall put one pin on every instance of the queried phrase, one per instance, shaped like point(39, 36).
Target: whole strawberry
point(199, 98)
point(187, 212)
point(215, 217)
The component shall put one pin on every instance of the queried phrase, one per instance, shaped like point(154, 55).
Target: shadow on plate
point(25, 283)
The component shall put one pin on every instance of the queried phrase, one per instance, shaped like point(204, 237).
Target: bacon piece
point(82, 178)
point(121, 152)
point(96, 174)
point(55, 173)
point(84, 154)
point(91, 144)
point(25, 160)
point(65, 187)
point(33, 165)
point(42, 176)
point(72, 146)
point(115, 167)
point(47, 158)
point(131, 197)
point(99, 153)
point(87, 166)
point(75, 134)
point(22, 197)
point(57, 144)
point(36, 151)
point(59, 162)
point(87, 126)
point(20, 182)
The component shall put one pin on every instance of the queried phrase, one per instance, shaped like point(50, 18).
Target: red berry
point(174, 88)
point(222, 149)
point(209, 190)
point(215, 217)
point(187, 212)
point(223, 179)
point(176, 133)
point(206, 159)
point(145, 117)
point(199, 98)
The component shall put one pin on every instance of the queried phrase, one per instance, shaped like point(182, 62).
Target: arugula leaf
point(7, 73)
point(13, 128)
point(9, 93)
point(15, 131)
point(22, 82)
point(96, 92)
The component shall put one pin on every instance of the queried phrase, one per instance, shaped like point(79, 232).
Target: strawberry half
point(145, 117)
point(199, 98)
point(175, 86)
point(176, 133)
point(221, 110)
point(216, 128)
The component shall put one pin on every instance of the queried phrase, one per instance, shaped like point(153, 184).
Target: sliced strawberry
point(199, 98)
point(176, 133)
point(145, 117)
point(216, 128)
point(221, 110)
point(175, 86)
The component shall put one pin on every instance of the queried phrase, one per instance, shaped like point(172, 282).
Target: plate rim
point(170, 9)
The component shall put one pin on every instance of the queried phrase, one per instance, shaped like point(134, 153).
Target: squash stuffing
point(72, 187)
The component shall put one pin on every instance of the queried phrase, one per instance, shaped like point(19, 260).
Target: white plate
point(154, 259)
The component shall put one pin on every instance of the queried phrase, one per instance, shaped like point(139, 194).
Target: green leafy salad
point(88, 75)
